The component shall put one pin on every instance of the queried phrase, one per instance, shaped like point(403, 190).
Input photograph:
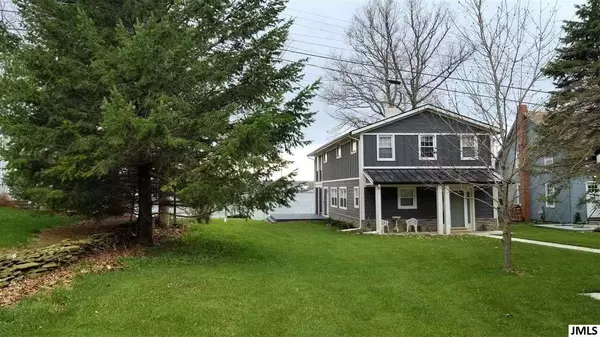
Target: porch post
point(447, 219)
point(440, 209)
point(378, 208)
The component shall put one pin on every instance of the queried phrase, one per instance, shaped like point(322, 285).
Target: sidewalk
point(547, 244)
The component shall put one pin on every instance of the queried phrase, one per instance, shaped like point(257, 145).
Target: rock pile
point(36, 262)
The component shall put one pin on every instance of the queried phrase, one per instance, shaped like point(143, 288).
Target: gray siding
point(341, 168)
point(407, 152)
point(428, 122)
point(426, 204)
point(484, 203)
point(344, 214)
point(568, 202)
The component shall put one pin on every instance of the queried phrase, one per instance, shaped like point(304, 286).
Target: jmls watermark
point(584, 330)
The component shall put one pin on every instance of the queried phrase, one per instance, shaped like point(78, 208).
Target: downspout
point(360, 185)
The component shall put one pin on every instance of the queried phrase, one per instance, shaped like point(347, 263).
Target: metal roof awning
point(429, 176)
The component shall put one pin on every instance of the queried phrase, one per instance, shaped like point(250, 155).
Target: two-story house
point(533, 189)
point(428, 163)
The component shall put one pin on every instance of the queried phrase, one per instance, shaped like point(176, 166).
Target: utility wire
point(415, 72)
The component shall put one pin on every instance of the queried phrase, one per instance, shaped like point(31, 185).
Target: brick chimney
point(524, 173)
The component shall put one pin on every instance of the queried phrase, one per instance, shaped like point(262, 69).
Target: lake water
point(303, 204)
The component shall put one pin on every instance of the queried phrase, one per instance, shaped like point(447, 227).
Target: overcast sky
point(319, 29)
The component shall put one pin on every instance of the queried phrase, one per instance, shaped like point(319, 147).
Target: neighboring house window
point(354, 146)
point(343, 198)
point(407, 197)
point(325, 157)
point(356, 197)
point(334, 197)
point(517, 160)
point(548, 161)
point(517, 200)
point(469, 147)
point(550, 192)
point(338, 152)
point(427, 147)
point(385, 148)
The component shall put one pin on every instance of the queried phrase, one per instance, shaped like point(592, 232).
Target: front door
point(325, 201)
point(593, 199)
point(457, 209)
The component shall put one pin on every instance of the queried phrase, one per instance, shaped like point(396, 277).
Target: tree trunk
point(163, 210)
point(144, 234)
point(506, 239)
point(175, 208)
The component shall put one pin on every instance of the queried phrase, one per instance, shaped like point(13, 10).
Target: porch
point(443, 208)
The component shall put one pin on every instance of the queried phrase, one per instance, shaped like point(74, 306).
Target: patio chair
point(384, 224)
point(412, 222)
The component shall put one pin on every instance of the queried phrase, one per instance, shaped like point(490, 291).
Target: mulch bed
point(104, 260)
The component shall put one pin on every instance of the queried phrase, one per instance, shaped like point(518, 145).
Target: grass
point(583, 239)
point(302, 279)
point(18, 226)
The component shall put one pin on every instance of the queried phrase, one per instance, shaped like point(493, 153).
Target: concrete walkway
point(547, 244)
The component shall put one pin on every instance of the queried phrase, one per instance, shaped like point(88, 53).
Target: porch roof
point(429, 176)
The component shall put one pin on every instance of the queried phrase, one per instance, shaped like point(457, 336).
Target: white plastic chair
point(384, 224)
point(412, 222)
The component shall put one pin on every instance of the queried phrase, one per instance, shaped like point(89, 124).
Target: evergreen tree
point(185, 95)
point(572, 128)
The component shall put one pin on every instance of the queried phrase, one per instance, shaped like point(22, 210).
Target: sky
point(319, 29)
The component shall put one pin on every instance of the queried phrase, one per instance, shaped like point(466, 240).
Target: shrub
point(597, 230)
point(338, 224)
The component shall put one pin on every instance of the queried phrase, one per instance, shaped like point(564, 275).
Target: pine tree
point(572, 129)
point(189, 96)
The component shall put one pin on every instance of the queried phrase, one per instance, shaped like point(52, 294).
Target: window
point(427, 150)
point(469, 147)
point(356, 197)
point(550, 194)
point(385, 148)
point(517, 199)
point(354, 146)
point(548, 161)
point(407, 197)
point(334, 197)
point(517, 160)
point(325, 157)
point(338, 152)
point(343, 198)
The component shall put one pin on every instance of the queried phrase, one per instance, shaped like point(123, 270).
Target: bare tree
point(512, 43)
point(409, 42)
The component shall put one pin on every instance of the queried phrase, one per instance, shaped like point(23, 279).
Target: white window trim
point(393, 148)
point(353, 149)
point(345, 189)
point(338, 152)
point(356, 197)
point(517, 199)
point(517, 159)
point(414, 190)
point(553, 204)
point(548, 161)
point(434, 147)
point(325, 157)
point(476, 148)
point(331, 197)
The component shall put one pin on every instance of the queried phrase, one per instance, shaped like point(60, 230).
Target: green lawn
point(583, 239)
point(258, 279)
point(18, 226)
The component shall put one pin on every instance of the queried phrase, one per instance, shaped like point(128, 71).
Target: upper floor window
point(325, 157)
point(354, 146)
point(407, 197)
point(469, 147)
point(338, 152)
point(427, 147)
point(550, 195)
point(548, 161)
point(385, 148)
point(343, 198)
